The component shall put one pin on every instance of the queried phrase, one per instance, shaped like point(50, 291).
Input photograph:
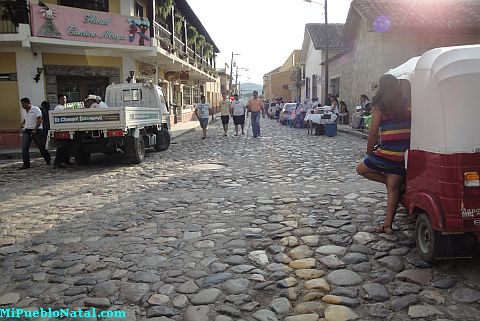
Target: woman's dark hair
point(363, 96)
point(343, 105)
point(388, 97)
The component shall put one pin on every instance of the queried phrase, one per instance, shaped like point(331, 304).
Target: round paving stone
point(332, 249)
point(340, 313)
point(303, 317)
point(206, 296)
point(344, 278)
point(303, 263)
point(236, 286)
point(376, 292)
point(393, 263)
point(281, 305)
point(264, 315)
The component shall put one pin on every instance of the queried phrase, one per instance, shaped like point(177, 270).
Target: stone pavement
point(227, 228)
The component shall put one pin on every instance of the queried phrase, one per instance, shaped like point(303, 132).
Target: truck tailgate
point(103, 118)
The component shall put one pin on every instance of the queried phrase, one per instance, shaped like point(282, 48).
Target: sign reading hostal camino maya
point(51, 21)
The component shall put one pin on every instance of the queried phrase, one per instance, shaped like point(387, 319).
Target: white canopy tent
point(445, 86)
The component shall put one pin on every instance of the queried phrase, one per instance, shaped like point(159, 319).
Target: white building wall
point(27, 63)
point(312, 67)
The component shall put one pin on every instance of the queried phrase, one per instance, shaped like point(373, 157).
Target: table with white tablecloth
point(317, 118)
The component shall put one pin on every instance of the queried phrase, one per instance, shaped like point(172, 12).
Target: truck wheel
point(82, 157)
point(139, 150)
point(163, 140)
point(426, 237)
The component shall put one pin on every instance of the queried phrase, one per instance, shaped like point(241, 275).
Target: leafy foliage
point(164, 8)
point(192, 35)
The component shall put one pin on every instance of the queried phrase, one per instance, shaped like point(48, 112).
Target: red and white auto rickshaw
point(443, 163)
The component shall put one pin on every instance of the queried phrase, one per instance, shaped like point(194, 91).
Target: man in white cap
point(91, 101)
point(100, 103)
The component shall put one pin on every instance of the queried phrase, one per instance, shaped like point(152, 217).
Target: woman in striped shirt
point(391, 120)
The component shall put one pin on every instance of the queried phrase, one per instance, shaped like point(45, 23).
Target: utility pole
point(327, 47)
point(231, 74)
point(236, 79)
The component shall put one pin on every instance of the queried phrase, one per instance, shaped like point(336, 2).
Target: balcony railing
point(178, 45)
point(7, 26)
point(163, 35)
point(165, 41)
point(12, 13)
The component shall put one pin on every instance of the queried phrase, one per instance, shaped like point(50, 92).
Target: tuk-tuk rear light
point(471, 179)
point(115, 133)
point(61, 135)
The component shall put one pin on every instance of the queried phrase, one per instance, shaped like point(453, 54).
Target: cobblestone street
point(226, 228)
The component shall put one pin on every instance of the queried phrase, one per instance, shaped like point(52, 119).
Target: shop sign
point(184, 75)
point(52, 21)
point(147, 69)
point(171, 75)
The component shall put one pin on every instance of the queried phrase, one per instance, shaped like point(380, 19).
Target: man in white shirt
point(62, 155)
point(237, 110)
point(32, 130)
point(202, 111)
point(62, 101)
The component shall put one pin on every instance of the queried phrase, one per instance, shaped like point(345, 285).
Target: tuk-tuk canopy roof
point(405, 71)
point(445, 99)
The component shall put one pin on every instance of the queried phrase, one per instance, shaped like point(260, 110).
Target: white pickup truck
point(137, 118)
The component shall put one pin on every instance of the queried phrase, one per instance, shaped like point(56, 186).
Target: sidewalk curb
point(352, 132)
point(193, 129)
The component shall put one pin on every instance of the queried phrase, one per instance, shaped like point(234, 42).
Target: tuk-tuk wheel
point(426, 237)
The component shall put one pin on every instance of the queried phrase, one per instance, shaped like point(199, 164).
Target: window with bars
point(97, 5)
point(314, 86)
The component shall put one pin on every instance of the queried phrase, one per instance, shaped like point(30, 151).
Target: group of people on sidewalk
point(237, 109)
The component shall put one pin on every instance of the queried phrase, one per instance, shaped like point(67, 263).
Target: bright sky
point(263, 32)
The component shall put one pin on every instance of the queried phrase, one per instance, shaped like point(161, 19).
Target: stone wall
point(375, 53)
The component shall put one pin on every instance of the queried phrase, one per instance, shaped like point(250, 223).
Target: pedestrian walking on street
point(32, 130)
point(255, 107)
point(225, 113)
point(202, 111)
point(62, 154)
point(385, 164)
point(237, 110)
point(45, 108)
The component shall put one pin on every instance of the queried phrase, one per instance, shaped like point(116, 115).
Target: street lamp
point(327, 45)
point(231, 71)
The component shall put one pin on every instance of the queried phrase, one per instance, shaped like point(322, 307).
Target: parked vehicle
point(137, 118)
point(272, 109)
point(443, 163)
point(287, 112)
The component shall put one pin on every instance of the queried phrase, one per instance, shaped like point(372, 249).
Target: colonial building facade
point(380, 35)
point(78, 48)
point(278, 82)
point(313, 54)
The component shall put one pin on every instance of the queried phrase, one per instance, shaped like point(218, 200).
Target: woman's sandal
point(383, 229)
